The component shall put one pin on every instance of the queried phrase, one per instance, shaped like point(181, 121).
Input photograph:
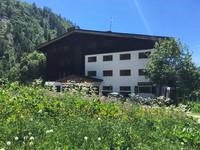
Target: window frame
point(125, 92)
point(146, 92)
point(93, 72)
point(124, 55)
point(91, 61)
point(111, 88)
point(107, 56)
point(142, 72)
point(144, 55)
point(145, 85)
point(105, 92)
point(124, 74)
point(106, 71)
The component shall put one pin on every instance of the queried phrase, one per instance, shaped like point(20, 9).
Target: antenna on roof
point(111, 22)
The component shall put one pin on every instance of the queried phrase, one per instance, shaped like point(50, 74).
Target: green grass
point(42, 120)
point(195, 106)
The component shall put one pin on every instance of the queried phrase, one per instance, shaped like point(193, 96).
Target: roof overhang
point(79, 79)
point(102, 33)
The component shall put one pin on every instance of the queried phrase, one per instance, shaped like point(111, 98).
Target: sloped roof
point(102, 33)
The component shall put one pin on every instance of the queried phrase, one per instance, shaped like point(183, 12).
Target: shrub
point(194, 106)
point(195, 95)
point(158, 101)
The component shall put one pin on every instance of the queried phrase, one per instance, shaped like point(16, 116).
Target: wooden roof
point(72, 31)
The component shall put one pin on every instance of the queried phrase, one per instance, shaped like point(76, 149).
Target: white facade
point(116, 81)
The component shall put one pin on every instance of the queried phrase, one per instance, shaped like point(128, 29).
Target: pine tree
point(23, 27)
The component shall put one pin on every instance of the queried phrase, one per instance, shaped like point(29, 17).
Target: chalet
point(116, 60)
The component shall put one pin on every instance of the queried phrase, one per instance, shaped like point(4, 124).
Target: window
point(143, 55)
point(125, 72)
point(125, 56)
point(107, 73)
point(145, 87)
point(136, 89)
point(58, 88)
point(125, 90)
point(108, 58)
point(92, 73)
point(106, 90)
point(92, 59)
point(142, 72)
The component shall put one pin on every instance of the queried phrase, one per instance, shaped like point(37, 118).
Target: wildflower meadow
point(32, 117)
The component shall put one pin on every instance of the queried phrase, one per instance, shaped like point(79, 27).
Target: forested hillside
point(24, 26)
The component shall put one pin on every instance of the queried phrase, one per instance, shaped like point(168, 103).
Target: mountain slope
point(23, 26)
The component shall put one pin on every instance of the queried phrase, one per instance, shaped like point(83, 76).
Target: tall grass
point(194, 106)
point(34, 118)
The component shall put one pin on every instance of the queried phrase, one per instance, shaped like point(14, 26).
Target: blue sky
point(177, 18)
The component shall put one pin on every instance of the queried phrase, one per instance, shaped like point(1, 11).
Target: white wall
point(134, 64)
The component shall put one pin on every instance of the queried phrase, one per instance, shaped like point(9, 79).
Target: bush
point(194, 106)
point(195, 95)
point(158, 101)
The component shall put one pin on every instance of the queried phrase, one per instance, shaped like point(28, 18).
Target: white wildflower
point(99, 118)
point(40, 111)
point(86, 138)
point(31, 143)
point(49, 131)
point(29, 133)
point(26, 137)
point(16, 138)
point(2, 149)
point(99, 139)
point(184, 129)
point(8, 143)
point(31, 138)
point(182, 143)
